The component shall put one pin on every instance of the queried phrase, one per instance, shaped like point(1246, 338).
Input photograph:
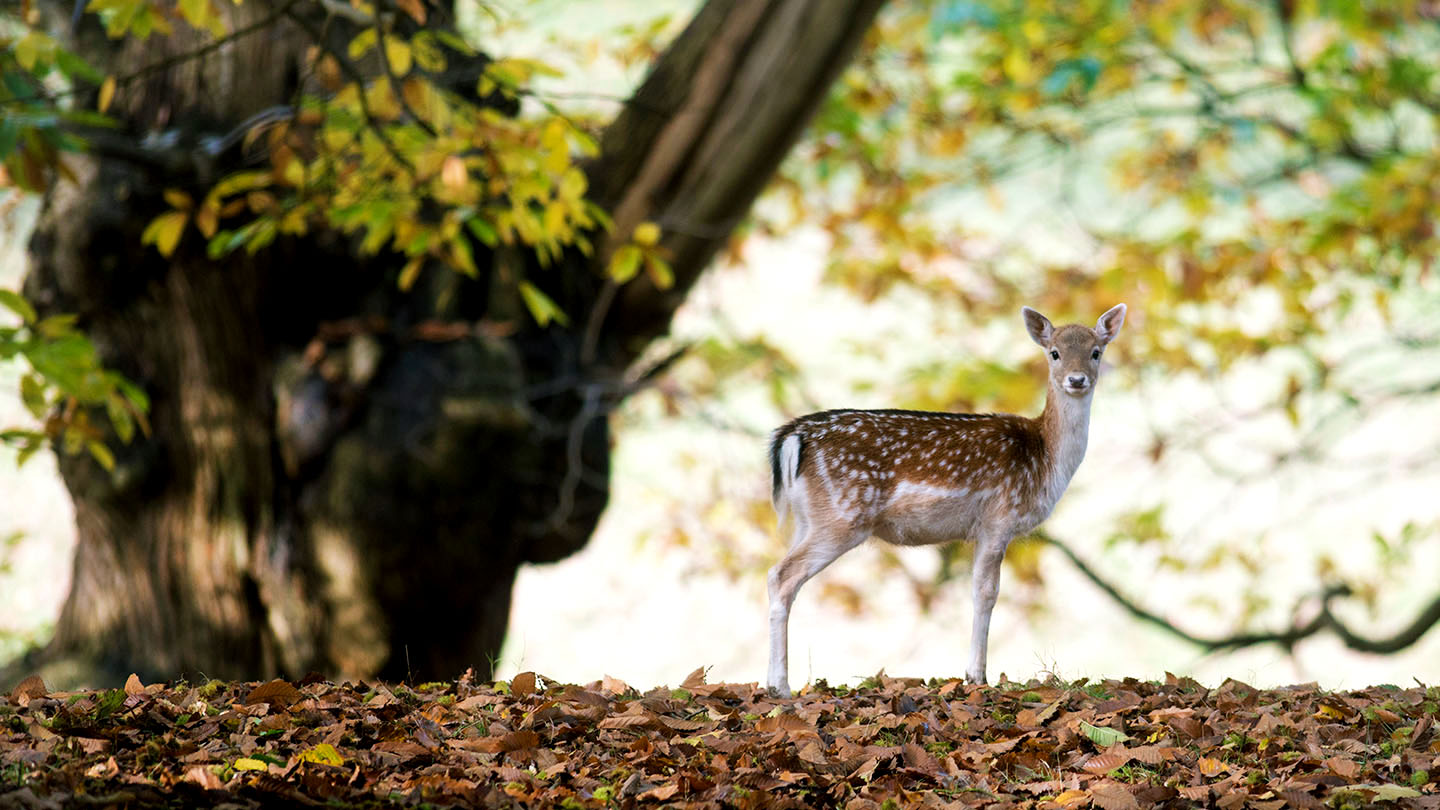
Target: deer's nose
point(1077, 381)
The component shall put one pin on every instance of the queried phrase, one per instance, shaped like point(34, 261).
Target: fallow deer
point(919, 478)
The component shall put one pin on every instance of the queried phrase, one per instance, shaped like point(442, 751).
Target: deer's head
point(1074, 351)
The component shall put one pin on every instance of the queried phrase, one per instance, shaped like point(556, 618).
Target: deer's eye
point(1095, 355)
point(1054, 355)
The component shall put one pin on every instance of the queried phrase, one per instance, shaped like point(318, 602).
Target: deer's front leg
point(989, 553)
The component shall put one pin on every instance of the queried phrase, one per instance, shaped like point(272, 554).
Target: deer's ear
point(1038, 326)
point(1109, 324)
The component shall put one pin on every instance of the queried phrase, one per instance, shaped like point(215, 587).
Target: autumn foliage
point(891, 742)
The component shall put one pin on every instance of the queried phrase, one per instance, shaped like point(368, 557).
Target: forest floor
point(887, 743)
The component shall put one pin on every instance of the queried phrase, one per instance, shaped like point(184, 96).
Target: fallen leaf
point(1113, 796)
point(523, 684)
point(1209, 766)
point(661, 793)
point(1102, 735)
point(277, 693)
point(1104, 763)
point(27, 690)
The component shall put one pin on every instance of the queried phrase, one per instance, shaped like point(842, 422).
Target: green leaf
point(9, 135)
point(541, 307)
point(26, 452)
point(56, 326)
point(483, 231)
point(119, 412)
point(16, 303)
point(1101, 735)
point(76, 67)
point(32, 394)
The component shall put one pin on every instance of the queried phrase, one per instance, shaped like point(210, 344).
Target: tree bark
point(333, 483)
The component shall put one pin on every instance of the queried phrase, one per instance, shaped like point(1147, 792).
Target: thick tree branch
point(706, 131)
point(1325, 619)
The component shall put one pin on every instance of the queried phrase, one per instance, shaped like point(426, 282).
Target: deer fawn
point(919, 478)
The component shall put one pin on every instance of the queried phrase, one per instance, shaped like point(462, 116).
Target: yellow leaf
point(164, 231)
point(646, 234)
point(362, 43)
point(27, 50)
point(428, 54)
point(196, 12)
point(323, 754)
point(102, 455)
point(107, 93)
point(1210, 766)
point(398, 52)
point(625, 263)
point(248, 764)
point(178, 199)
point(541, 307)
point(659, 271)
point(410, 273)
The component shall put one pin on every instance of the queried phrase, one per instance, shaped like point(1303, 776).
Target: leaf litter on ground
point(888, 743)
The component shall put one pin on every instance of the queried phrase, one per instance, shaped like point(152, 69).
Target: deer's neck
point(1065, 426)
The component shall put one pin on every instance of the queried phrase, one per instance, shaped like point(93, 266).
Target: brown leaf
point(1301, 799)
point(1104, 763)
point(1150, 754)
point(790, 723)
point(662, 793)
point(406, 749)
point(695, 678)
point(1072, 798)
point(626, 721)
point(523, 684)
point(614, 686)
point(204, 777)
point(1347, 768)
point(1195, 793)
point(866, 770)
point(812, 753)
point(513, 741)
point(679, 724)
point(27, 690)
point(133, 685)
point(1187, 727)
point(1113, 796)
point(918, 758)
point(1233, 799)
point(277, 693)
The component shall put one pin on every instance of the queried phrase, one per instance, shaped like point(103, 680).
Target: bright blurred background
point(1257, 181)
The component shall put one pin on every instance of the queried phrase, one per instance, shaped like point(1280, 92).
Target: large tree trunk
point(337, 479)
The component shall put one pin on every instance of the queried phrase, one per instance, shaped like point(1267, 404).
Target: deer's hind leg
point(814, 545)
